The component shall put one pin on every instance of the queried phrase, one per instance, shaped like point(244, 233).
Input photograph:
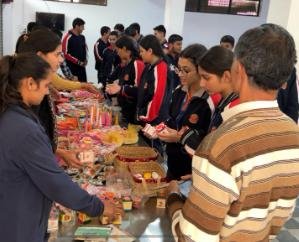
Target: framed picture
point(236, 7)
point(94, 2)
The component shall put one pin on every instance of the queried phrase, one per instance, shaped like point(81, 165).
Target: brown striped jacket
point(245, 178)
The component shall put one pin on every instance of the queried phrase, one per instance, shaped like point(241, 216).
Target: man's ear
point(39, 53)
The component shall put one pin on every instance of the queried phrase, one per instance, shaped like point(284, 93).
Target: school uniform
point(74, 49)
point(99, 47)
point(154, 93)
point(129, 78)
point(193, 113)
point(111, 61)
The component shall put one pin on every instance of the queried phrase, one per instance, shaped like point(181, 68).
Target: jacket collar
point(198, 93)
point(248, 106)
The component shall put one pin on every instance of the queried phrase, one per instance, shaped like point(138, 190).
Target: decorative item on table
point(131, 134)
point(127, 203)
point(130, 154)
point(86, 157)
point(82, 94)
point(92, 233)
point(137, 200)
point(109, 171)
point(72, 171)
point(136, 153)
point(63, 142)
point(117, 219)
point(147, 177)
point(116, 114)
point(161, 199)
point(83, 218)
point(67, 123)
point(113, 137)
point(104, 220)
point(109, 158)
point(67, 216)
point(53, 219)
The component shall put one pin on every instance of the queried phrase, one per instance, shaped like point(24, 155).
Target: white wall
point(292, 27)
point(174, 16)
point(208, 28)
point(285, 13)
point(279, 12)
point(148, 13)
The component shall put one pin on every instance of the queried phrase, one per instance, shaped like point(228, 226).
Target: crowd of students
point(216, 106)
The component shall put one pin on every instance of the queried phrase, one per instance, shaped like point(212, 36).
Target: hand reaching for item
point(70, 157)
point(113, 88)
point(90, 88)
point(110, 210)
point(169, 135)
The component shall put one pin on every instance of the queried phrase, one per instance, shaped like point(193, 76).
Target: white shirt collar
point(247, 106)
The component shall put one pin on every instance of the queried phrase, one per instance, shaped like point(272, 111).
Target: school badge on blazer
point(193, 118)
point(126, 77)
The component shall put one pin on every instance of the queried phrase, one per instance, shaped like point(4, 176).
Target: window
point(238, 7)
point(95, 2)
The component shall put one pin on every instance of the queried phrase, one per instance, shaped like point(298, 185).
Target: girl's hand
point(169, 135)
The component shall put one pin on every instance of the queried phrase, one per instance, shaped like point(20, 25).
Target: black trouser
point(179, 162)
point(78, 71)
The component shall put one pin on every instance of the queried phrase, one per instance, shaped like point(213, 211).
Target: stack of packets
point(98, 234)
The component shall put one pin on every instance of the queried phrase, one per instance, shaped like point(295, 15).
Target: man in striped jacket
point(245, 173)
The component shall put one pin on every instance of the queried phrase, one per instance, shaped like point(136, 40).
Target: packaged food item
point(127, 203)
point(104, 220)
point(161, 199)
point(137, 201)
point(147, 175)
point(160, 127)
point(86, 156)
point(117, 219)
point(83, 218)
point(53, 219)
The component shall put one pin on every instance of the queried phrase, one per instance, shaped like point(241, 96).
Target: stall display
point(113, 167)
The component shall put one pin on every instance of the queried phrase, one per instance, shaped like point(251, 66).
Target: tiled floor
point(290, 232)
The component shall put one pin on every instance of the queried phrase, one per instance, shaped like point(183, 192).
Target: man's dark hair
point(174, 37)
point(135, 26)
point(119, 27)
point(129, 31)
point(115, 33)
point(268, 55)
point(104, 30)
point(78, 21)
point(160, 28)
point(30, 26)
point(228, 39)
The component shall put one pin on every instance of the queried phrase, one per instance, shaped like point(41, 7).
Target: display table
point(146, 224)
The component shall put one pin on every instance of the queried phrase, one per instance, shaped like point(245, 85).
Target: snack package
point(86, 156)
point(150, 131)
point(160, 127)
